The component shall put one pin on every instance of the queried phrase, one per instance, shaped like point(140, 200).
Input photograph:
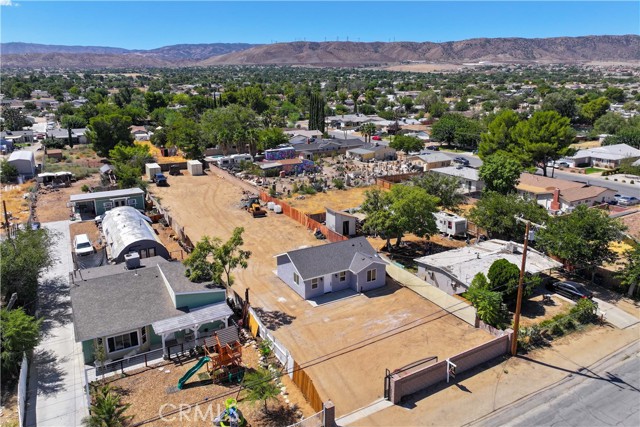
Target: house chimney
point(555, 203)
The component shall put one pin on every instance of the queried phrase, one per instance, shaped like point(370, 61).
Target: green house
point(102, 201)
point(135, 310)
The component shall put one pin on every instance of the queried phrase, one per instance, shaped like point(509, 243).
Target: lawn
point(593, 170)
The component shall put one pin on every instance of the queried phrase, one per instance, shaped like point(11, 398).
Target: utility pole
point(516, 319)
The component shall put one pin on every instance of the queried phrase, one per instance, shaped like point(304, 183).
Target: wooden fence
point(305, 384)
point(388, 181)
point(303, 218)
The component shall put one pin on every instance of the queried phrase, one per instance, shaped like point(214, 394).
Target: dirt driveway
point(345, 345)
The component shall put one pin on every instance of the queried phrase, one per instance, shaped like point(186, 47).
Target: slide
point(192, 371)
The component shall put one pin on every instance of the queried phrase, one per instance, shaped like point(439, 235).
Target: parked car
point(433, 148)
point(461, 160)
point(174, 170)
point(160, 179)
point(82, 245)
point(573, 290)
point(376, 138)
point(626, 200)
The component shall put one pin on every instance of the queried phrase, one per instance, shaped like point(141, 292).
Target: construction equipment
point(256, 210)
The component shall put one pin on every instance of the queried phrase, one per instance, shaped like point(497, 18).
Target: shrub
point(557, 330)
point(84, 188)
point(584, 311)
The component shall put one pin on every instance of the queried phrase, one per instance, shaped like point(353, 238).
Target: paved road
point(605, 395)
point(628, 189)
point(56, 395)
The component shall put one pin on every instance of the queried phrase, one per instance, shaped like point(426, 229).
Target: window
point(342, 276)
point(152, 252)
point(296, 278)
point(371, 275)
point(107, 205)
point(314, 283)
point(122, 342)
point(143, 335)
point(131, 202)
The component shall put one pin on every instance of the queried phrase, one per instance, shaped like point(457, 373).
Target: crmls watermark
point(184, 413)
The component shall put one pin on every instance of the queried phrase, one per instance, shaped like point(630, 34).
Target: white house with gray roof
point(452, 271)
point(350, 264)
point(470, 181)
point(608, 156)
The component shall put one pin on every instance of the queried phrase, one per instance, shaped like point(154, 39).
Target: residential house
point(327, 147)
point(452, 271)
point(149, 303)
point(25, 162)
point(609, 156)
point(315, 271)
point(307, 134)
point(78, 136)
point(102, 201)
point(341, 222)
point(559, 195)
point(348, 120)
point(126, 230)
point(430, 160)
point(370, 152)
point(470, 181)
point(139, 133)
point(18, 136)
point(280, 153)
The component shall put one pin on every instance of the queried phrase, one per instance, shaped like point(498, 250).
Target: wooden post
point(516, 320)
point(6, 217)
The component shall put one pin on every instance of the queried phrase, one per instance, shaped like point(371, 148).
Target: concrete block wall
point(414, 380)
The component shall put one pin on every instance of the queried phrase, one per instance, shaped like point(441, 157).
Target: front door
point(119, 202)
point(345, 228)
point(327, 286)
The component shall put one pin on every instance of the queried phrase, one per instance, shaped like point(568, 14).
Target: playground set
point(223, 362)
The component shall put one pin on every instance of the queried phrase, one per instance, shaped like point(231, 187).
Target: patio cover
point(197, 317)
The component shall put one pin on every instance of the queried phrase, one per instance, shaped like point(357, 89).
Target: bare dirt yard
point(154, 392)
point(334, 199)
point(16, 202)
point(344, 345)
point(52, 202)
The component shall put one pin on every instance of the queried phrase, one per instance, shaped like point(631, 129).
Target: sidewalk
point(55, 392)
point(458, 308)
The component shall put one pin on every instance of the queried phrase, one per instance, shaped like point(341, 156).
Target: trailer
point(450, 224)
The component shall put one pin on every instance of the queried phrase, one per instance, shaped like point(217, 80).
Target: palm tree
point(107, 410)
point(260, 386)
point(367, 130)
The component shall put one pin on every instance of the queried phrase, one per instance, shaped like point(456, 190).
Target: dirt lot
point(155, 152)
point(17, 205)
point(52, 203)
point(148, 391)
point(344, 345)
point(335, 199)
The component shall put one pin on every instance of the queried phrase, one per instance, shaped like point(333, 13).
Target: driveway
point(616, 316)
point(56, 394)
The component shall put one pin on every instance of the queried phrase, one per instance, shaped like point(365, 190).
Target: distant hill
point(511, 50)
point(559, 49)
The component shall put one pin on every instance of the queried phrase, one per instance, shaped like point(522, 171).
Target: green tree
point(582, 238)
point(211, 259)
point(368, 129)
point(406, 143)
point(545, 136)
point(501, 173)
point(229, 126)
point(107, 410)
point(564, 103)
point(72, 122)
point(585, 310)
point(270, 138)
point(614, 94)
point(488, 303)
point(107, 131)
point(438, 109)
point(316, 111)
point(413, 209)
point(499, 134)
point(630, 274)
point(610, 123)
point(8, 172)
point(595, 109)
point(29, 254)
point(185, 134)
point(19, 333)
point(260, 387)
point(13, 119)
point(153, 100)
point(503, 276)
point(457, 130)
point(627, 135)
point(496, 213)
point(446, 188)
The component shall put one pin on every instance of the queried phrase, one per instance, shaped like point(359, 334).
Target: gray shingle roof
point(118, 303)
point(174, 272)
point(333, 257)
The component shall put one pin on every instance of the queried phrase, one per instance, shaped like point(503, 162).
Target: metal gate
point(387, 383)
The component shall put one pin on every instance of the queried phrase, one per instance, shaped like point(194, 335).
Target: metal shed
point(127, 230)
point(151, 169)
point(24, 161)
point(194, 167)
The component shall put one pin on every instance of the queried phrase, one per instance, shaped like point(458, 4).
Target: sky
point(152, 24)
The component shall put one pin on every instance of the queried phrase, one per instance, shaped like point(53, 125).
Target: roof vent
point(132, 260)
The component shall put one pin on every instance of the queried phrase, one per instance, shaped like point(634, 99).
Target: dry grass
point(334, 199)
point(586, 144)
point(17, 205)
point(155, 152)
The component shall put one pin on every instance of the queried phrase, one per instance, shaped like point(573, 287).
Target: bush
point(556, 329)
point(585, 311)
point(84, 188)
point(8, 172)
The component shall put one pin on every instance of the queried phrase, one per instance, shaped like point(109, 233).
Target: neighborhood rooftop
point(110, 194)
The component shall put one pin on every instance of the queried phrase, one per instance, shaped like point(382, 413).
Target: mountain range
point(624, 48)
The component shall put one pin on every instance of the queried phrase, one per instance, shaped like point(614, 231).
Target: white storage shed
point(194, 167)
point(151, 169)
point(25, 162)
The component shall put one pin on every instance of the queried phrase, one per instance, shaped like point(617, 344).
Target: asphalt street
point(607, 394)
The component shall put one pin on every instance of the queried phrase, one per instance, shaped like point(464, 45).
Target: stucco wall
point(361, 281)
point(199, 300)
point(440, 280)
point(285, 272)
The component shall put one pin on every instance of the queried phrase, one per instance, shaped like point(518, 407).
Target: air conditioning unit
point(132, 260)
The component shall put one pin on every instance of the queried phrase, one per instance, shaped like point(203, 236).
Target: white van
point(82, 245)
